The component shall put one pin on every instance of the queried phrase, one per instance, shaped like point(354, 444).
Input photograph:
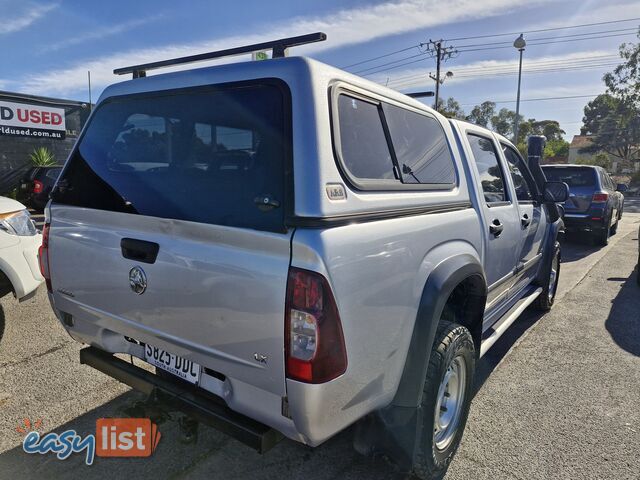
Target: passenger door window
point(491, 175)
point(523, 185)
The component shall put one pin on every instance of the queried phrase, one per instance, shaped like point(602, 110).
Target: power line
point(397, 66)
point(461, 72)
point(372, 59)
point(541, 99)
point(529, 72)
point(550, 42)
point(380, 56)
point(544, 29)
point(421, 54)
point(601, 32)
point(380, 68)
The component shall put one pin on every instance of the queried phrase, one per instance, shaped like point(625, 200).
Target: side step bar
point(508, 320)
point(199, 404)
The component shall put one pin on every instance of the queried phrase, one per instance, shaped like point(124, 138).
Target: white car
point(19, 243)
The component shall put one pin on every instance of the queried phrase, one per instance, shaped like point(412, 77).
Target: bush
point(42, 157)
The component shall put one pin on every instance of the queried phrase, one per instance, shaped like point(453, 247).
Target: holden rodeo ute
point(297, 249)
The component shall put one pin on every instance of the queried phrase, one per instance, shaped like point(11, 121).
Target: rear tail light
point(38, 186)
point(600, 197)
point(314, 349)
point(43, 257)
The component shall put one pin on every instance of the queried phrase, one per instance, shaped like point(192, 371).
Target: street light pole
point(519, 44)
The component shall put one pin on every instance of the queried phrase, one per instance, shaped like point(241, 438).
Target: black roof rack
point(278, 48)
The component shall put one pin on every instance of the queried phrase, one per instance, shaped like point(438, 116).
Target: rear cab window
point(206, 154)
point(382, 146)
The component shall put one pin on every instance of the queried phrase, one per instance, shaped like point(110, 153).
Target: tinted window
point(572, 176)
point(420, 146)
point(491, 176)
point(363, 145)
point(53, 173)
point(523, 192)
point(609, 181)
point(203, 156)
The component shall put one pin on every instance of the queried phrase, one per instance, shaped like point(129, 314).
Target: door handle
point(526, 221)
point(139, 250)
point(496, 228)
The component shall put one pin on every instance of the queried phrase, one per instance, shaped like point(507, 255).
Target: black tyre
point(601, 237)
point(446, 399)
point(545, 300)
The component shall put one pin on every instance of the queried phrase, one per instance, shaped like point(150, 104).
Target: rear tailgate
point(215, 295)
point(581, 182)
point(199, 173)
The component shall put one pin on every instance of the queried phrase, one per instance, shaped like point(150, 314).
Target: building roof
point(581, 141)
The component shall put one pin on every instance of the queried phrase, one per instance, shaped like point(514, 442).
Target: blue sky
point(48, 46)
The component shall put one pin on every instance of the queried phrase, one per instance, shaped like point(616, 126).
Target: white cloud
point(101, 33)
point(596, 11)
point(25, 19)
point(345, 27)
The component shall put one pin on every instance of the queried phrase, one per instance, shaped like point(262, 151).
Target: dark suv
point(36, 185)
point(595, 203)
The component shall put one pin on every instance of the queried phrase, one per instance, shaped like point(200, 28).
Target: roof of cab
point(289, 69)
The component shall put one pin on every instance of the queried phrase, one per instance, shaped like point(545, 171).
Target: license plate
point(180, 367)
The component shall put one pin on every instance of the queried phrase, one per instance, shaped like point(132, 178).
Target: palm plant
point(42, 157)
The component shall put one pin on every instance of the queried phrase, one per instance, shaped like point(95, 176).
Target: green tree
point(482, 114)
point(624, 81)
point(599, 160)
point(503, 121)
point(614, 124)
point(451, 108)
point(558, 147)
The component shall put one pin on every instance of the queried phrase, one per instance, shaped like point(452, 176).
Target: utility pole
point(438, 62)
point(441, 54)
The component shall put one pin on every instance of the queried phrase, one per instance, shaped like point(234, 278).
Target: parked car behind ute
point(36, 186)
point(297, 249)
point(595, 203)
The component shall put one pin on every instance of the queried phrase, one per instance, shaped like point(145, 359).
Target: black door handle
point(139, 250)
point(496, 228)
point(525, 221)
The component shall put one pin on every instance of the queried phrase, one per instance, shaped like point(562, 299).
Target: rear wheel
point(601, 236)
point(446, 399)
point(614, 227)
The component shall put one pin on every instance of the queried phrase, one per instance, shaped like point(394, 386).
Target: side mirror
point(621, 187)
point(556, 192)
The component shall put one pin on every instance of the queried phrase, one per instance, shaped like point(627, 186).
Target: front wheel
point(545, 300)
point(446, 399)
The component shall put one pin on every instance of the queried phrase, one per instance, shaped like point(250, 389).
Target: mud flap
point(393, 432)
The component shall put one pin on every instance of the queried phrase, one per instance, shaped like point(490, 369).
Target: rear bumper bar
point(201, 405)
